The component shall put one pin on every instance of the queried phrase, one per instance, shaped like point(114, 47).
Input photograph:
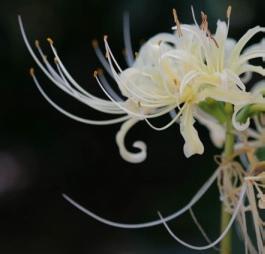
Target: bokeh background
point(43, 153)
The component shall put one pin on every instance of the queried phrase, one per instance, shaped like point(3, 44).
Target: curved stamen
point(60, 85)
point(72, 116)
point(169, 124)
point(173, 216)
point(195, 220)
point(219, 239)
point(108, 87)
point(101, 57)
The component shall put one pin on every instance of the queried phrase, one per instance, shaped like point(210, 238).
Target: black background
point(43, 153)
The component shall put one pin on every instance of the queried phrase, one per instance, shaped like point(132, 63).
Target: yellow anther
point(99, 71)
point(56, 61)
point(32, 72)
point(176, 20)
point(228, 12)
point(95, 74)
point(37, 43)
point(50, 40)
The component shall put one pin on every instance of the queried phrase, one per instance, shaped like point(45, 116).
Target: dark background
point(43, 153)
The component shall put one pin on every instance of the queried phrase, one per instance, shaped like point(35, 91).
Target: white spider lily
point(207, 66)
point(169, 72)
point(198, 66)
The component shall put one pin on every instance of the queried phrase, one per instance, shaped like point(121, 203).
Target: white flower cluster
point(192, 75)
point(172, 73)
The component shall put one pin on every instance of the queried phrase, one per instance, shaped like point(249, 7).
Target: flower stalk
point(226, 244)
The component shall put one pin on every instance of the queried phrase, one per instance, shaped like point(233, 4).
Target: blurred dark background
point(43, 153)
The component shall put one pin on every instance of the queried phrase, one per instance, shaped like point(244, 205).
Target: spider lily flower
point(169, 72)
point(198, 67)
point(214, 64)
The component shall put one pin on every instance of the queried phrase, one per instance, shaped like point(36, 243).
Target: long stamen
point(169, 124)
point(108, 87)
point(70, 115)
point(173, 216)
point(101, 57)
point(235, 213)
point(199, 226)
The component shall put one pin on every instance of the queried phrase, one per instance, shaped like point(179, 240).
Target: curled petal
point(237, 125)
point(193, 144)
point(125, 154)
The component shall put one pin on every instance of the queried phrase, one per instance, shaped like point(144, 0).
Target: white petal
point(235, 96)
point(125, 154)
point(193, 144)
point(221, 32)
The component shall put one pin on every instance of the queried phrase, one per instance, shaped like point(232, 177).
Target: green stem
point(226, 244)
point(250, 111)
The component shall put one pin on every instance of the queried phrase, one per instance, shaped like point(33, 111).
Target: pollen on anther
point(37, 43)
point(95, 74)
point(50, 40)
point(56, 61)
point(228, 12)
point(176, 20)
point(32, 72)
point(99, 71)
